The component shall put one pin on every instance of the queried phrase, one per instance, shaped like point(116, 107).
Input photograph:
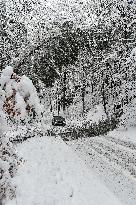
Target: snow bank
point(94, 115)
point(53, 175)
point(128, 119)
point(127, 135)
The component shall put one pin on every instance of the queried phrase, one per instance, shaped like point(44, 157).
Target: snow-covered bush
point(8, 162)
point(19, 98)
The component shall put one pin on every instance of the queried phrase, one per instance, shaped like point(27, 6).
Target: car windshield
point(58, 117)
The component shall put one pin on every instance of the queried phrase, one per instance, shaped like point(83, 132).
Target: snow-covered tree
point(19, 96)
point(18, 99)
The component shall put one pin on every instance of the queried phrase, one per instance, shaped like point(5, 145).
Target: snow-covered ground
point(113, 159)
point(53, 174)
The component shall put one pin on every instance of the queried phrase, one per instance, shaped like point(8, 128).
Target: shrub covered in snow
point(19, 100)
point(8, 162)
point(18, 96)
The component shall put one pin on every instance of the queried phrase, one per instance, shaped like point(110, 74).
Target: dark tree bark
point(59, 104)
point(83, 98)
point(104, 98)
point(64, 91)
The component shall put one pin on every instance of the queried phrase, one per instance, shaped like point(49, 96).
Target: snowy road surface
point(113, 158)
point(53, 174)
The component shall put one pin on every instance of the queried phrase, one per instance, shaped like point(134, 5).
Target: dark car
point(58, 121)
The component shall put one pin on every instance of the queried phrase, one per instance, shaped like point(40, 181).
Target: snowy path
point(54, 175)
point(114, 160)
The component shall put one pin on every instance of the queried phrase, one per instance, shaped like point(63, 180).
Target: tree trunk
point(83, 98)
point(104, 99)
point(64, 91)
point(59, 104)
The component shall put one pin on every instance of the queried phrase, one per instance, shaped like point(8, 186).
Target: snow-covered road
point(113, 158)
point(53, 174)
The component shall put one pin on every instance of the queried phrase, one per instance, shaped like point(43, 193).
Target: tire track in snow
point(114, 160)
point(127, 144)
point(116, 153)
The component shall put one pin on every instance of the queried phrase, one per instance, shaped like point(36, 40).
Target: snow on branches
point(18, 96)
point(18, 99)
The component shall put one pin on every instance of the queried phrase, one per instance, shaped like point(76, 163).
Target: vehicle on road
point(58, 121)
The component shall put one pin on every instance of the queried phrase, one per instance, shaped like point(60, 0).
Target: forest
point(76, 60)
point(97, 60)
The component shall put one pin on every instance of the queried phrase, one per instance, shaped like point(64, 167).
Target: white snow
point(52, 174)
point(128, 135)
point(96, 114)
point(8, 89)
point(6, 75)
point(21, 92)
point(8, 71)
point(112, 158)
point(27, 90)
point(25, 86)
point(20, 104)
